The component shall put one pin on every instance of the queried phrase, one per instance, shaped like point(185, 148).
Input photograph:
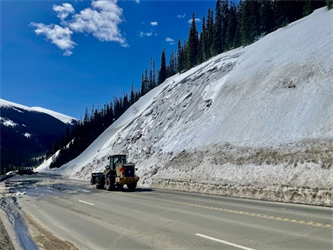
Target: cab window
point(114, 161)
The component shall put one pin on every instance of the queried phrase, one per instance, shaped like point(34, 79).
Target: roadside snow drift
point(253, 122)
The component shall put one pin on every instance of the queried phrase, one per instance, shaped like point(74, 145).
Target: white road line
point(224, 242)
point(83, 190)
point(87, 203)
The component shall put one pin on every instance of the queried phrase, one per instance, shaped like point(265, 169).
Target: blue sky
point(68, 55)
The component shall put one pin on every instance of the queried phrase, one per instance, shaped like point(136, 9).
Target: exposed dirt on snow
point(44, 238)
point(6, 243)
point(299, 173)
point(13, 218)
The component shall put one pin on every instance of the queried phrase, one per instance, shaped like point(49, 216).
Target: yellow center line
point(234, 211)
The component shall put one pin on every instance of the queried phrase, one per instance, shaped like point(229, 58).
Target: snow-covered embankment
point(254, 122)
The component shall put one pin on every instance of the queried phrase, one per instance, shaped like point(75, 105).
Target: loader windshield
point(117, 159)
point(122, 159)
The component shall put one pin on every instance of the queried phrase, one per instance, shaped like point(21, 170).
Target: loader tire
point(109, 183)
point(131, 187)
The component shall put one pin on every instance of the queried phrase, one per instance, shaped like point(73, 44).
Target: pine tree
point(180, 57)
point(192, 44)
point(210, 32)
point(224, 16)
point(319, 4)
point(173, 63)
point(216, 47)
point(143, 85)
point(203, 42)
point(146, 77)
point(266, 17)
point(244, 23)
point(152, 81)
point(154, 74)
point(308, 8)
point(146, 82)
point(132, 96)
point(162, 72)
point(237, 39)
point(329, 4)
point(295, 10)
point(231, 27)
point(255, 20)
point(280, 13)
point(125, 104)
point(86, 116)
point(151, 74)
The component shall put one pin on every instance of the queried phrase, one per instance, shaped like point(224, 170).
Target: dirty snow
point(252, 122)
point(13, 220)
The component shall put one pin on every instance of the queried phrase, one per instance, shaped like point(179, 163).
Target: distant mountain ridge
point(27, 133)
point(64, 118)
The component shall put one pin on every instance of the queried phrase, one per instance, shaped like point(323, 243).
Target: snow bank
point(252, 122)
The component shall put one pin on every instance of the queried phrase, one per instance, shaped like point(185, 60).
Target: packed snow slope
point(253, 122)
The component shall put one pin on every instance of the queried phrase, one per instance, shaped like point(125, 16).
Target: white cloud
point(101, 20)
point(142, 34)
point(58, 35)
point(170, 40)
point(153, 23)
point(181, 16)
point(64, 10)
point(197, 20)
point(137, 1)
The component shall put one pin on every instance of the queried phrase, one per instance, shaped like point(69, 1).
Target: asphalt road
point(76, 213)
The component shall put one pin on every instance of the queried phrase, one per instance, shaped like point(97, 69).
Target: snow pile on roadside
point(252, 122)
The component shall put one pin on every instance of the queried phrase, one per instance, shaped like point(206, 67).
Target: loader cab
point(116, 159)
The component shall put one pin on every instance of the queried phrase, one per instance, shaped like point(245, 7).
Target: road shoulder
point(6, 243)
point(44, 238)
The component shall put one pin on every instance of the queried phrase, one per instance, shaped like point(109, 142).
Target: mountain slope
point(63, 118)
point(27, 133)
point(253, 122)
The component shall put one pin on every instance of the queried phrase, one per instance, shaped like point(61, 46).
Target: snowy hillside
point(63, 118)
point(28, 133)
point(253, 122)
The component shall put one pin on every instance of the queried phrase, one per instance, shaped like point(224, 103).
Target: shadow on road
point(139, 190)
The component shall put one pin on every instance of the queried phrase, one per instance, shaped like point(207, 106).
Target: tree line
point(94, 123)
point(232, 26)
point(227, 27)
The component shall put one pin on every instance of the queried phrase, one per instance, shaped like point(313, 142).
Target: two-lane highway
point(74, 212)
